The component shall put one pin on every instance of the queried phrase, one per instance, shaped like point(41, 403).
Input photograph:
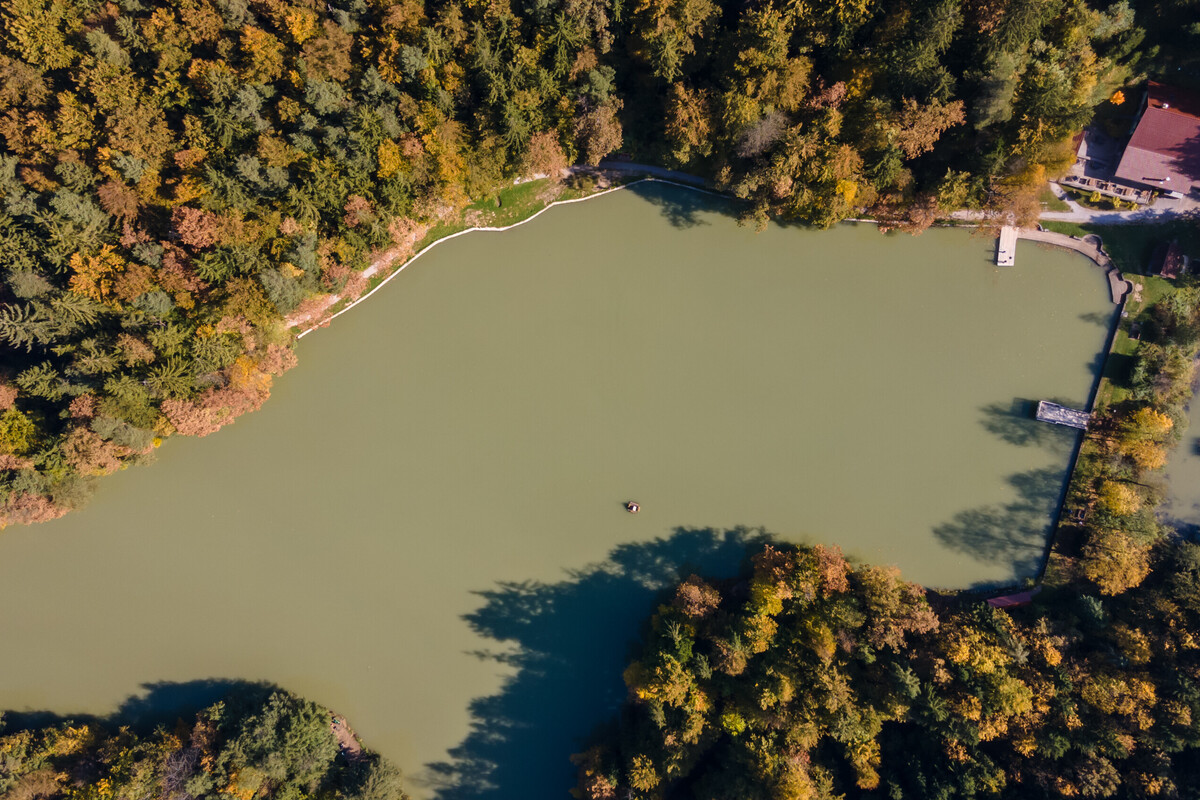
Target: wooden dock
point(1061, 415)
point(1006, 247)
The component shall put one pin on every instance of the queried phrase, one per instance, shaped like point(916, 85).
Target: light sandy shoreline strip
point(1095, 254)
point(530, 218)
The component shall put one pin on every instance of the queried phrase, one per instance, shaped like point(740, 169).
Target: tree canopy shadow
point(681, 206)
point(1101, 318)
point(569, 643)
point(1016, 423)
point(1015, 532)
point(1188, 530)
point(160, 703)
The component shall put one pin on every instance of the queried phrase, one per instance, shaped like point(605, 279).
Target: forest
point(177, 180)
point(813, 678)
point(258, 742)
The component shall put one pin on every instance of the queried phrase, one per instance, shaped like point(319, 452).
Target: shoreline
point(1118, 285)
point(386, 258)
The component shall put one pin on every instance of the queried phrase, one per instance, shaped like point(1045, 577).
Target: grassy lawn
point(1050, 202)
point(1069, 228)
point(1120, 357)
point(515, 203)
point(507, 207)
point(1131, 248)
point(1105, 203)
point(1132, 245)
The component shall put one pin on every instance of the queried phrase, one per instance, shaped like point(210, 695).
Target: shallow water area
point(423, 529)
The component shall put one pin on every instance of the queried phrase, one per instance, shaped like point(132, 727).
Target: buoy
point(632, 507)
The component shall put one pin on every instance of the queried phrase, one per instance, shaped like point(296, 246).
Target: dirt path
point(311, 314)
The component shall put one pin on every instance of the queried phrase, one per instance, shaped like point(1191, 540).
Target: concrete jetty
point(1061, 415)
point(1006, 247)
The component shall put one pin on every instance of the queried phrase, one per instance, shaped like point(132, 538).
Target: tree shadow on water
point(1101, 318)
point(160, 703)
point(681, 206)
point(569, 643)
point(1015, 532)
point(1016, 423)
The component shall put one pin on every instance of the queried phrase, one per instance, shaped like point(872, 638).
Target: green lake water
point(423, 528)
point(1182, 508)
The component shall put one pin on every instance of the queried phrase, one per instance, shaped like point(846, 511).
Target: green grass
point(1120, 356)
point(1154, 289)
point(1105, 203)
point(1069, 228)
point(1050, 202)
point(1131, 248)
point(507, 207)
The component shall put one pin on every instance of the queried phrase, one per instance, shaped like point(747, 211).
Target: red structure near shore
point(1014, 600)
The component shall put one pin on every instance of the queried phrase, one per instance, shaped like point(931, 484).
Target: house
point(1161, 157)
point(1163, 153)
point(1170, 260)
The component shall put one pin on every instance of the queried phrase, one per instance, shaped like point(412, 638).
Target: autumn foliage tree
point(166, 166)
point(810, 677)
point(256, 742)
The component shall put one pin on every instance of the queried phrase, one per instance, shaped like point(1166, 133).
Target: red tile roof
point(1166, 143)
point(1181, 100)
point(1172, 262)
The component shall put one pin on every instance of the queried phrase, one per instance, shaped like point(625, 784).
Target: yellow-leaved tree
point(93, 274)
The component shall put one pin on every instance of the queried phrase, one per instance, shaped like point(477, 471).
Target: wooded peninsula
point(258, 742)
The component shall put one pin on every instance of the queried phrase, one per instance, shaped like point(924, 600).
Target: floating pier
point(1006, 247)
point(1061, 415)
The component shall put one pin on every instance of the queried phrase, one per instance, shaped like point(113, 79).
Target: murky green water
point(423, 528)
point(1182, 508)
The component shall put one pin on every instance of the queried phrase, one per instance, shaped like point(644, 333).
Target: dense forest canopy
point(255, 744)
point(815, 679)
point(179, 178)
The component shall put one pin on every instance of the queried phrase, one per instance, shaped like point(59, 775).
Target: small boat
point(632, 507)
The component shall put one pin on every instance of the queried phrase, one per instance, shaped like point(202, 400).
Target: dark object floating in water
point(632, 507)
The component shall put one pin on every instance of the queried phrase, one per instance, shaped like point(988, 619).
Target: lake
point(1182, 506)
point(423, 529)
